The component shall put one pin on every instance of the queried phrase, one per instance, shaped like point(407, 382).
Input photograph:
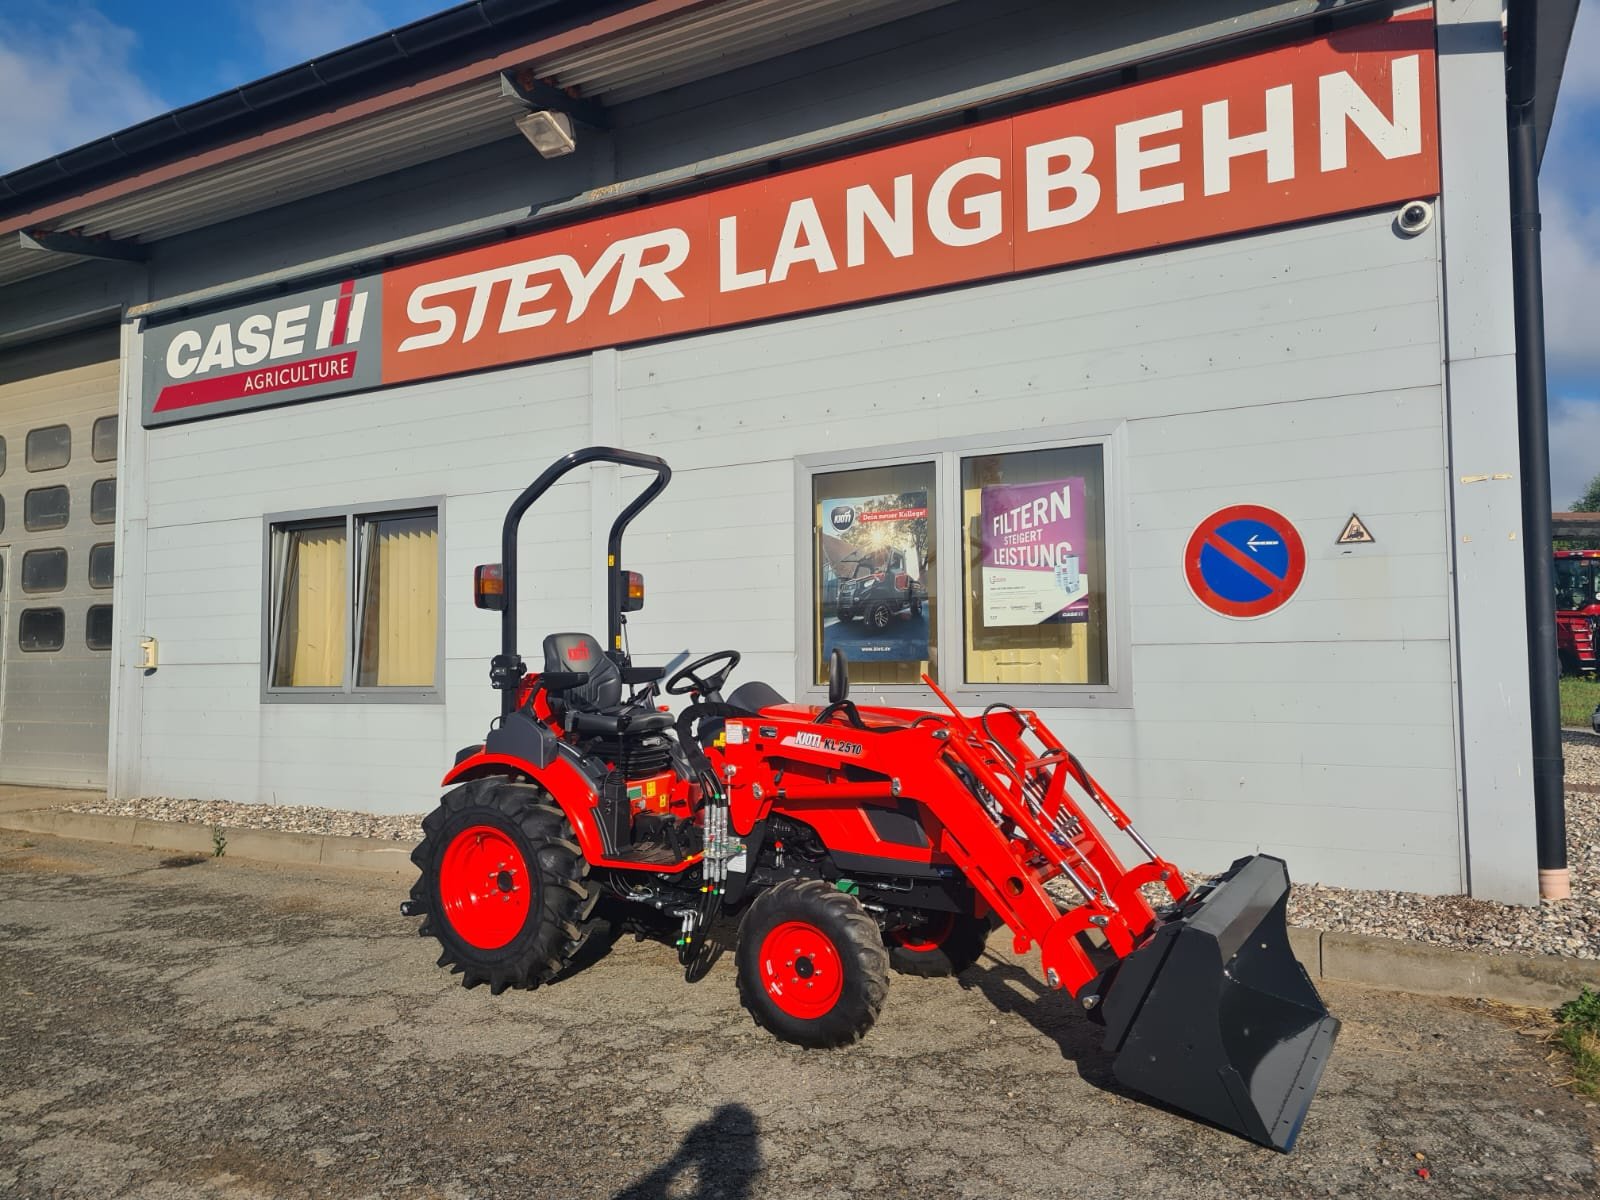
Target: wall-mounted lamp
point(550, 132)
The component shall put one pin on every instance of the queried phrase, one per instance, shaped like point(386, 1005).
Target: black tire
point(879, 616)
point(832, 921)
point(560, 898)
point(940, 949)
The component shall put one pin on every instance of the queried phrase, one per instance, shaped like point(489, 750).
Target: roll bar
point(507, 668)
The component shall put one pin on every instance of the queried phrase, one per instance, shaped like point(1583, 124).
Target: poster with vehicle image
point(1034, 553)
point(874, 557)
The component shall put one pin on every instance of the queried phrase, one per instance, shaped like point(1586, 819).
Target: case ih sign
point(1327, 126)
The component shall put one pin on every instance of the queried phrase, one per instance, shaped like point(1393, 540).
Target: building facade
point(1148, 367)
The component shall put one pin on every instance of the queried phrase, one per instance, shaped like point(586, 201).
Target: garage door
point(58, 489)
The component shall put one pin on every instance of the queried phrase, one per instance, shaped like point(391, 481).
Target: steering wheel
point(688, 678)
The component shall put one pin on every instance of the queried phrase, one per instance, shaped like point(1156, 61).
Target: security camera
point(1414, 217)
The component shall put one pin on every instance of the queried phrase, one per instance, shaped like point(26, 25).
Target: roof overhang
point(624, 54)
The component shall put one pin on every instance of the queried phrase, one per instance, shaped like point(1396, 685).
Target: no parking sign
point(1244, 561)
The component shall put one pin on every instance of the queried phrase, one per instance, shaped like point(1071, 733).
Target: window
point(103, 443)
point(102, 564)
point(41, 630)
point(44, 570)
point(97, 627)
point(1033, 552)
point(2, 514)
point(2, 456)
point(46, 508)
point(1013, 538)
point(103, 501)
point(353, 605)
point(875, 595)
point(49, 448)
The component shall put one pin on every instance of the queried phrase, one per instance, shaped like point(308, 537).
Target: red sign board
point(1330, 125)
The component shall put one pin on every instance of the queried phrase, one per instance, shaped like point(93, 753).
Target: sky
point(74, 70)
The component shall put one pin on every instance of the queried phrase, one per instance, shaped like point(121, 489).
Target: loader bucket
point(1213, 1015)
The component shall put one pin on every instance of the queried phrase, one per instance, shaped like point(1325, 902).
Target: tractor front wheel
point(503, 886)
point(947, 944)
point(811, 964)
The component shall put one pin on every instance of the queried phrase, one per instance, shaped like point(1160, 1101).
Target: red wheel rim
point(928, 937)
point(484, 887)
point(801, 970)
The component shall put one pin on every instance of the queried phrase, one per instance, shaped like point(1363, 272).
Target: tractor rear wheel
point(811, 964)
point(504, 886)
point(947, 945)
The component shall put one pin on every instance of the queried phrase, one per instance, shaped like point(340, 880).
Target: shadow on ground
point(719, 1158)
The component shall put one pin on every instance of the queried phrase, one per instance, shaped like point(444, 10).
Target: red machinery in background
point(1577, 576)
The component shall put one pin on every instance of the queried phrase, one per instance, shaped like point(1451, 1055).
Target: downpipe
point(1549, 803)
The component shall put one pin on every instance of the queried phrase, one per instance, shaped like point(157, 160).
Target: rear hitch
point(412, 908)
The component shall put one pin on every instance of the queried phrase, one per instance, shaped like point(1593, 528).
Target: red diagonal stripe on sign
point(1244, 562)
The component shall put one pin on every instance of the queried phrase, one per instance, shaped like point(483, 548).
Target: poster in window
point(1034, 553)
point(874, 558)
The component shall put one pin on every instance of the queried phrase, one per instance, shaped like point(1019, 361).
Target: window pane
point(399, 603)
point(46, 508)
point(42, 629)
point(103, 501)
point(1033, 533)
point(49, 448)
point(2, 514)
point(102, 565)
point(2, 456)
point(876, 597)
point(44, 570)
point(97, 627)
point(104, 442)
point(309, 605)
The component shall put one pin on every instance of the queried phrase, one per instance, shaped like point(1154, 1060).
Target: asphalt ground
point(174, 1027)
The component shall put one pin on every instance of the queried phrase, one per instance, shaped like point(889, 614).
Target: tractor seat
point(596, 706)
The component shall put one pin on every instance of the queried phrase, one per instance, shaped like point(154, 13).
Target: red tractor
point(1578, 610)
point(850, 841)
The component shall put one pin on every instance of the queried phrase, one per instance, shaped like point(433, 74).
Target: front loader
point(849, 841)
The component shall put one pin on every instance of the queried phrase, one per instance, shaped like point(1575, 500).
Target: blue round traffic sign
point(1244, 561)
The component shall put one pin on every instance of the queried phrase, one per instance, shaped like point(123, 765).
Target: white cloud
point(1568, 180)
point(1574, 449)
point(292, 31)
point(66, 83)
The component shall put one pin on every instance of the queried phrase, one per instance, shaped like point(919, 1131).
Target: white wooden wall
point(1298, 369)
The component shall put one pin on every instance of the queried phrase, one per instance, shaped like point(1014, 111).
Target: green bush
point(1579, 1024)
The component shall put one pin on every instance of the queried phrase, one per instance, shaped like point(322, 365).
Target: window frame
point(950, 572)
point(349, 692)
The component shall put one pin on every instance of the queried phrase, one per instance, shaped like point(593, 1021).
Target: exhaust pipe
point(1213, 1014)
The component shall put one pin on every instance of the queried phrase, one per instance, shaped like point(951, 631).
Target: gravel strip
point(280, 818)
point(1570, 928)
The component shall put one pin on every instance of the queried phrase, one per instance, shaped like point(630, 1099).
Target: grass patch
point(1578, 1024)
point(1578, 699)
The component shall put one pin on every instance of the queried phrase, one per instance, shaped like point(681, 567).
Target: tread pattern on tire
point(856, 937)
point(562, 918)
point(962, 947)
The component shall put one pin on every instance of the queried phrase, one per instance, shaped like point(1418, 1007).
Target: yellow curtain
point(311, 630)
point(400, 607)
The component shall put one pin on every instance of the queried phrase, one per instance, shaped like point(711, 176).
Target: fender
point(573, 791)
point(575, 794)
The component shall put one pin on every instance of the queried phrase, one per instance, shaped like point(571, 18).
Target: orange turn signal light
point(489, 586)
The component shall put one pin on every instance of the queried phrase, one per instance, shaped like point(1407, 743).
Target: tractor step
point(650, 854)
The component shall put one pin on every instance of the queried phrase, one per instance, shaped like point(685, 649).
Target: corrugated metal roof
point(711, 40)
point(697, 45)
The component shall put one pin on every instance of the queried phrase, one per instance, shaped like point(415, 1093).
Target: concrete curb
point(1535, 981)
point(258, 845)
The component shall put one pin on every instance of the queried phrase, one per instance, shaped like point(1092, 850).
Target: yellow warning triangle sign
point(1355, 532)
